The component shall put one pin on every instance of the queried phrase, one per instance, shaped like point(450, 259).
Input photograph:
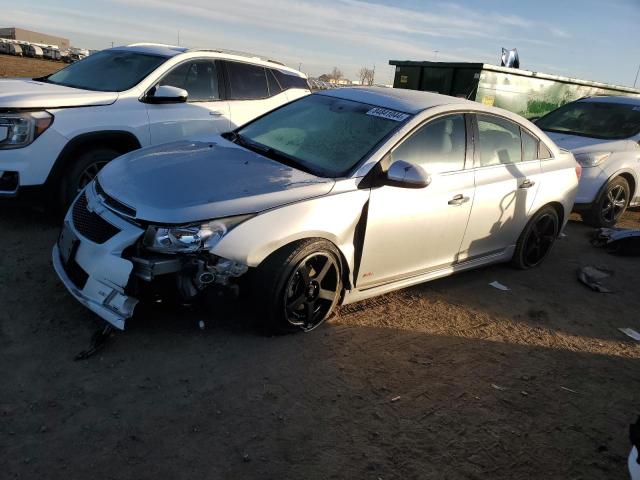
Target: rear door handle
point(214, 113)
point(458, 200)
point(527, 184)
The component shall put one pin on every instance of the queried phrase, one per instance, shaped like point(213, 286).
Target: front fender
point(332, 217)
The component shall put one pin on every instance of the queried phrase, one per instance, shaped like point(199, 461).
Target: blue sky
point(590, 39)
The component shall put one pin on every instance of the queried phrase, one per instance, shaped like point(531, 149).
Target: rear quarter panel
point(559, 182)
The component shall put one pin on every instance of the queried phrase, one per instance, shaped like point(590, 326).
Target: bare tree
point(335, 75)
point(366, 76)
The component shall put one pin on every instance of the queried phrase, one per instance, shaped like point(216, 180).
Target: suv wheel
point(611, 204)
point(83, 170)
point(537, 238)
point(298, 287)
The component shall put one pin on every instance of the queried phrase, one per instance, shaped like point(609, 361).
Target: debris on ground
point(498, 387)
point(621, 241)
point(592, 277)
point(395, 399)
point(568, 390)
point(498, 285)
point(630, 332)
point(98, 341)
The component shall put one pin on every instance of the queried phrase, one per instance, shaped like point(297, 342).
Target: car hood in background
point(189, 181)
point(28, 93)
point(578, 143)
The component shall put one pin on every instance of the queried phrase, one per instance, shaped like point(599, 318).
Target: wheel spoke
point(325, 269)
point(309, 310)
point(325, 294)
point(304, 274)
point(295, 303)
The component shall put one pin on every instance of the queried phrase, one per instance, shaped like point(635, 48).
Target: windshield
point(107, 71)
point(324, 135)
point(604, 120)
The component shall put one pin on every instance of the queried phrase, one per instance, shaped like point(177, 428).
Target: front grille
point(91, 225)
point(76, 273)
point(113, 203)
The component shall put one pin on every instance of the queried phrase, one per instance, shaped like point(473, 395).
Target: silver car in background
point(331, 199)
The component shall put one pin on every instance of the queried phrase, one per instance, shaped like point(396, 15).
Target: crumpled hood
point(28, 93)
point(579, 144)
point(189, 181)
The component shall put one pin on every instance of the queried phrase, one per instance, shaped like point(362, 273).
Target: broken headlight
point(20, 129)
point(189, 238)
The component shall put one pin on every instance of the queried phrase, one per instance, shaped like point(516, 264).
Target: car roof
point(173, 50)
point(403, 100)
point(628, 100)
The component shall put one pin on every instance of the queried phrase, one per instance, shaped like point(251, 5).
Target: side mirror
point(407, 175)
point(166, 94)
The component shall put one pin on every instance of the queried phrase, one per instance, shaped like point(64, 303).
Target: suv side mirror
point(166, 94)
point(404, 174)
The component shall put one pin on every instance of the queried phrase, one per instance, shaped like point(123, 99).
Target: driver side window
point(199, 78)
point(438, 147)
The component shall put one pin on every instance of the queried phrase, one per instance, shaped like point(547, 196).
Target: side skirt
point(357, 295)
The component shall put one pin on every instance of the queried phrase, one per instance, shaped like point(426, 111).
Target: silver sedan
point(328, 200)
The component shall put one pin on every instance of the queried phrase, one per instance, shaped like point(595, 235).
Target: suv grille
point(90, 224)
point(113, 203)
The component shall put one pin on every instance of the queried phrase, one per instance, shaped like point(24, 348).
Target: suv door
point(203, 113)
point(507, 177)
point(413, 231)
point(251, 91)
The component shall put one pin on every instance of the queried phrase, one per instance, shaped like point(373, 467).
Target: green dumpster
point(530, 94)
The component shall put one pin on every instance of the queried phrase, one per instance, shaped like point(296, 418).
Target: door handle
point(458, 200)
point(215, 113)
point(527, 183)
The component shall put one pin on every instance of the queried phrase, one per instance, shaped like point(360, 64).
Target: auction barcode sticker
point(388, 114)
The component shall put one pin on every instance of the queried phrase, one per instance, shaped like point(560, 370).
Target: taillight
point(578, 170)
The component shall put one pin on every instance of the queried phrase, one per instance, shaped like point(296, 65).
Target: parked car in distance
point(56, 132)
point(333, 198)
point(11, 48)
point(634, 458)
point(604, 135)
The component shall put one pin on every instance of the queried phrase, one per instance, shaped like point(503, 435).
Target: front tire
point(83, 171)
point(611, 204)
point(537, 238)
point(298, 287)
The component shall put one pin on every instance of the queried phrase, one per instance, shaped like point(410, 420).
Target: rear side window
point(543, 151)
point(529, 147)
point(439, 146)
point(288, 80)
point(246, 81)
point(499, 141)
point(274, 86)
point(199, 78)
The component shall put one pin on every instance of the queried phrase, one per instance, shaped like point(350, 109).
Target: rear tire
point(537, 238)
point(611, 204)
point(83, 171)
point(297, 287)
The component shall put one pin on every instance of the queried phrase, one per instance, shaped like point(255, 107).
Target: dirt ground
point(446, 380)
point(11, 66)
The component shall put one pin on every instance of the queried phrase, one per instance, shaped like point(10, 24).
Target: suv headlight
point(20, 129)
point(190, 238)
point(591, 159)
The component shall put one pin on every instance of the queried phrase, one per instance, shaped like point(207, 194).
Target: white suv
point(604, 135)
point(57, 132)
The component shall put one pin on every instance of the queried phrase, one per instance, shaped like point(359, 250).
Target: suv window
point(499, 141)
point(439, 146)
point(274, 86)
point(246, 81)
point(288, 80)
point(198, 77)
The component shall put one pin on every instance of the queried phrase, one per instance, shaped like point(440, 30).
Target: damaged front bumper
point(91, 262)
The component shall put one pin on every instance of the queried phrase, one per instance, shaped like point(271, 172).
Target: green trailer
point(530, 94)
